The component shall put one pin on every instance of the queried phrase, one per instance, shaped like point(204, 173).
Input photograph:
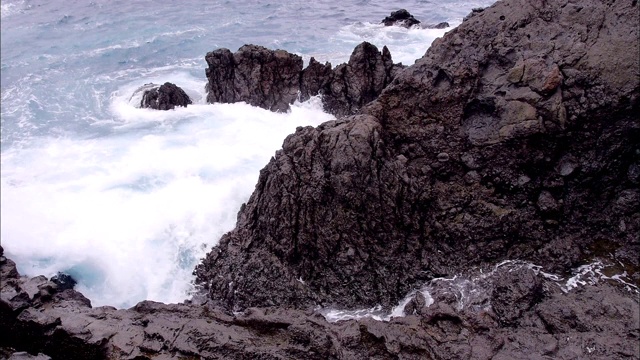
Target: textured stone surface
point(594, 321)
point(515, 136)
point(274, 79)
point(254, 74)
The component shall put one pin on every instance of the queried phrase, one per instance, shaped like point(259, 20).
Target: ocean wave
point(11, 8)
point(104, 204)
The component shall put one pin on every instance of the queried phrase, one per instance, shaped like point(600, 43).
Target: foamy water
point(473, 290)
point(128, 200)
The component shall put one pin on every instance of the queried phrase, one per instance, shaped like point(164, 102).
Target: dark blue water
point(127, 199)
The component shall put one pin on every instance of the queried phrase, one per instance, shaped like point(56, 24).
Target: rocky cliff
point(515, 137)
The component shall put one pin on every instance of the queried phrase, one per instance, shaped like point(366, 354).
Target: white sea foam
point(130, 215)
point(10, 8)
point(405, 45)
point(474, 290)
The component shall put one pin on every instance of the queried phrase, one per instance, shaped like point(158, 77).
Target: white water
point(473, 291)
point(128, 200)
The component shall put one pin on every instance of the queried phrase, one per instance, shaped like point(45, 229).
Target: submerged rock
point(274, 79)
point(164, 97)
point(442, 25)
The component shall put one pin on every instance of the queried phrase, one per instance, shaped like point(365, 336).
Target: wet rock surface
point(164, 97)
point(599, 321)
point(517, 139)
point(274, 79)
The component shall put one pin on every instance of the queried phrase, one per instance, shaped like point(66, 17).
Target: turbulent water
point(127, 200)
point(472, 290)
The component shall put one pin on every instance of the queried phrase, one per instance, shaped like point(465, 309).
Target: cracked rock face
point(515, 136)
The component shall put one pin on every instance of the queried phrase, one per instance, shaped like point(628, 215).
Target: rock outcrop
point(400, 18)
point(404, 19)
point(39, 318)
point(164, 97)
point(274, 79)
point(515, 136)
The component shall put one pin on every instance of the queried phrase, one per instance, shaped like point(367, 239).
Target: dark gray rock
point(274, 79)
point(415, 305)
point(473, 13)
point(442, 25)
point(359, 81)
point(361, 210)
point(600, 321)
point(64, 281)
point(515, 292)
point(400, 18)
point(254, 74)
point(164, 97)
point(23, 355)
point(366, 207)
point(314, 79)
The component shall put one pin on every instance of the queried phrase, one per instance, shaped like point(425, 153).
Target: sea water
point(128, 200)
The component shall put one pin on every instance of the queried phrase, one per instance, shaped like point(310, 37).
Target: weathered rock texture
point(165, 97)
point(274, 79)
point(596, 322)
point(515, 136)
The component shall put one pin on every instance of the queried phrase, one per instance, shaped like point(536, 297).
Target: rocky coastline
point(516, 136)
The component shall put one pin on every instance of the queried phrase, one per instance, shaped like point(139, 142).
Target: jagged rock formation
point(600, 321)
point(274, 79)
point(400, 18)
point(515, 136)
point(164, 97)
point(255, 75)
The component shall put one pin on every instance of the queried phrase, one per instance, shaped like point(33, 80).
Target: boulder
point(164, 97)
point(442, 25)
point(400, 18)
